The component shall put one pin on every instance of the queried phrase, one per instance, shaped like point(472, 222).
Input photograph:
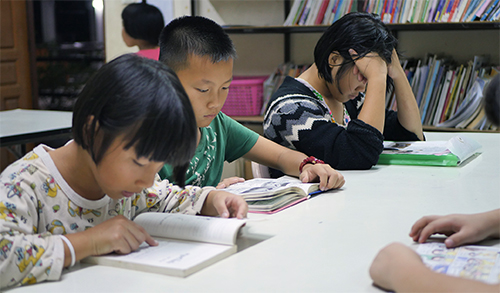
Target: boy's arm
point(269, 153)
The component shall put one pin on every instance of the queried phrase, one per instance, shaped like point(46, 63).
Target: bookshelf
point(484, 40)
point(395, 28)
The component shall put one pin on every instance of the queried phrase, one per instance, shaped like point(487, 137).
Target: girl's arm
point(374, 69)
point(269, 153)
point(408, 112)
point(168, 198)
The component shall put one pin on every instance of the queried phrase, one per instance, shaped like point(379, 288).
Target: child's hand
point(395, 70)
point(119, 235)
point(393, 264)
point(327, 176)
point(461, 229)
point(370, 66)
point(224, 204)
point(229, 181)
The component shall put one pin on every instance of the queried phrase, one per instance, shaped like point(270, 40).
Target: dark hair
point(492, 100)
point(196, 35)
point(361, 31)
point(144, 100)
point(143, 21)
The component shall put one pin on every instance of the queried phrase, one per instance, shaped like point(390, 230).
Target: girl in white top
point(132, 117)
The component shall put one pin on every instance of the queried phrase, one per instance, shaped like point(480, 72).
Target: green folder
point(449, 153)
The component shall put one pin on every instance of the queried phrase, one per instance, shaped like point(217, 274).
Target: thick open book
point(267, 195)
point(430, 153)
point(481, 263)
point(186, 244)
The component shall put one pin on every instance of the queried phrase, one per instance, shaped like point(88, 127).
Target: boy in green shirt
point(202, 54)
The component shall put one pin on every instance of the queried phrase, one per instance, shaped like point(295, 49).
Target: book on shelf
point(450, 153)
point(187, 244)
point(471, 105)
point(268, 195)
point(474, 262)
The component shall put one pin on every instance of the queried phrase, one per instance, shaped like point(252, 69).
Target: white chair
point(260, 171)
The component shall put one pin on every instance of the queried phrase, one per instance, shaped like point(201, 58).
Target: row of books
point(415, 11)
point(325, 12)
point(449, 95)
point(317, 12)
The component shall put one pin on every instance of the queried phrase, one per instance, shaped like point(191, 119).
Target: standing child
point(142, 25)
point(90, 189)
point(202, 55)
point(335, 110)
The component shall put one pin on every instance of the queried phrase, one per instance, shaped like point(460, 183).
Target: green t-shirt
point(223, 140)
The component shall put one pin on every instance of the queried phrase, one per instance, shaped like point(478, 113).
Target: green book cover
point(429, 153)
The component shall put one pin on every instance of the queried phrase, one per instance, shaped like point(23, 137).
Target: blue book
point(435, 70)
point(437, 15)
point(424, 70)
point(471, 8)
point(489, 10)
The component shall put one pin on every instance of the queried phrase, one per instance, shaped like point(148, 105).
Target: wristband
point(71, 250)
point(309, 160)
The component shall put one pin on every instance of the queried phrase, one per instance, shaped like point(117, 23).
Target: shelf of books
point(449, 96)
point(476, 25)
point(316, 12)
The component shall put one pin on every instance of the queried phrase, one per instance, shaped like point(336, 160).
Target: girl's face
point(351, 83)
point(122, 174)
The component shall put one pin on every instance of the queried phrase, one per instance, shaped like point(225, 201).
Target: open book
point(430, 153)
point(481, 263)
point(186, 244)
point(266, 195)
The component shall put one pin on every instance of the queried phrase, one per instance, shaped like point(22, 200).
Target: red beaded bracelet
point(309, 160)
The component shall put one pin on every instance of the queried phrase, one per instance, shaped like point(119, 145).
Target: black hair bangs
point(143, 100)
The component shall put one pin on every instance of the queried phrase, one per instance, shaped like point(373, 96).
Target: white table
point(20, 126)
point(325, 244)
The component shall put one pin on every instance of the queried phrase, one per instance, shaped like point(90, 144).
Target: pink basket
point(245, 96)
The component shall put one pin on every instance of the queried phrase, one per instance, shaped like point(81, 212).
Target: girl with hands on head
point(335, 110)
point(58, 206)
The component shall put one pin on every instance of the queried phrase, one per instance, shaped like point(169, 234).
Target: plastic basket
point(245, 96)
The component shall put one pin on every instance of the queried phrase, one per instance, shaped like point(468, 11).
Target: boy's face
point(207, 84)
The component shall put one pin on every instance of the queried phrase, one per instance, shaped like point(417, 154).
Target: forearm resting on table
point(271, 154)
point(81, 244)
point(422, 279)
